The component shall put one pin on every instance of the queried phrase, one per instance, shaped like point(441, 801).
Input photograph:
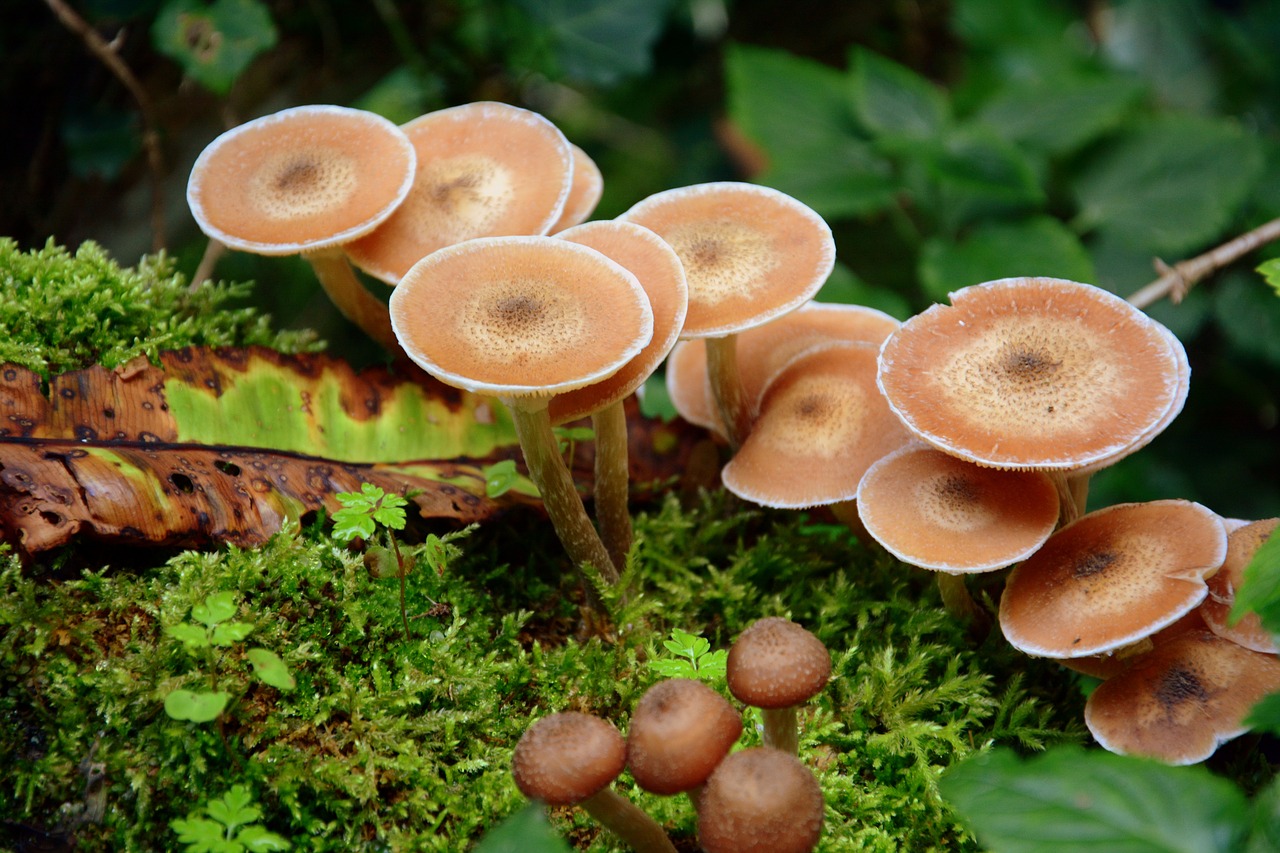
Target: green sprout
point(231, 827)
point(693, 658)
point(361, 514)
point(500, 477)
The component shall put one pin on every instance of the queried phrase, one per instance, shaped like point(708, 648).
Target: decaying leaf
point(224, 445)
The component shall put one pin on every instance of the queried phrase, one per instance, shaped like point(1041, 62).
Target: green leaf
point(1248, 316)
point(201, 835)
point(234, 808)
point(1265, 716)
point(714, 665)
point(270, 669)
point(196, 707)
point(230, 633)
point(600, 41)
point(1039, 246)
point(978, 174)
point(218, 607)
point(1169, 185)
point(1265, 837)
point(213, 43)
point(673, 667)
point(798, 112)
point(258, 838)
point(1260, 591)
point(500, 477)
point(1270, 271)
point(191, 636)
point(1069, 799)
point(893, 101)
point(526, 831)
point(1059, 116)
point(846, 288)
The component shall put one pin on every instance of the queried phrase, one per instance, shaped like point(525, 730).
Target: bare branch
point(1176, 280)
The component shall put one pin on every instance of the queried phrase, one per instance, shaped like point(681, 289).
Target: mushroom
point(935, 511)
point(1112, 578)
point(1180, 701)
point(486, 169)
point(762, 351)
point(776, 665)
point(307, 180)
point(1242, 544)
point(522, 319)
point(1034, 373)
point(751, 254)
point(760, 800)
point(680, 731)
point(656, 267)
point(584, 191)
point(569, 759)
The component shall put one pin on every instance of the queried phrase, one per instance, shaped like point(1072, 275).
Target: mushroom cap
point(1112, 577)
point(1111, 664)
point(485, 169)
point(520, 316)
point(750, 253)
point(822, 424)
point(930, 509)
point(680, 730)
point(760, 800)
point(584, 191)
point(762, 351)
point(565, 758)
point(648, 257)
point(1178, 702)
point(300, 179)
point(1032, 373)
point(776, 663)
point(1242, 544)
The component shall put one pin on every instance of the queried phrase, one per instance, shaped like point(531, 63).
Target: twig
point(105, 52)
point(1176, 280)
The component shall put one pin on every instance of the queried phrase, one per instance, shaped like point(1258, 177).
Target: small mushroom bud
point(570, 759)
point(760, 801)
point(681, 730)
point(776, 665)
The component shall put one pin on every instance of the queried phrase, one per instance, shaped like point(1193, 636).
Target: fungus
point(569, 759)
point(1180, 701)
point(680, 731)
point(584, 191)
point(751, 254)
point(1242, 544)
point(1111, 578)
point(760, 801)
point(522, 319)
point(776, 665)
point(307, 180)
point(656, 267)
point(486, 169)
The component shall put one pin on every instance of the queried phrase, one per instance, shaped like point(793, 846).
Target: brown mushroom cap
point(520, 316)
point(485, 169)
point(1242, 544)
point(762, 351)
point(822, 423)
point(656, 267)
point(750, 253)
point(300, 179)
point(1178, 702)
point(565, 758)
point(933, 510)
point(760, 800)
point(1111, 578)
point(584, 191)
point(776, 663)
point(680, 730)
point(1032, 373)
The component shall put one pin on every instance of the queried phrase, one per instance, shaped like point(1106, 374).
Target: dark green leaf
point(1038, 246)
point(797, 111)
point(1249, 317)
point(213, 43)
point(978, 174)
point(1069, 799)
point(526, 831)
point(1060, 116)
point(1265, 716)
point(196, 707)
point(402, 95)
point(271, 669)
point(846, 288)
point(600, 41)
point(1169, 185)
point(893, 101)
point(100, 142)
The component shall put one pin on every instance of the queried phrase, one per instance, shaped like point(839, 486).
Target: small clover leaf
point(218, 607)
point(197, 707)
point(229, 633)
point(191, 636)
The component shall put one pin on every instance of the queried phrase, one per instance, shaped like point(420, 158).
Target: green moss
point(388, 744)
point(64, 311)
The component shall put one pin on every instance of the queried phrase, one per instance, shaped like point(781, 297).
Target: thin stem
point(726, 388)
point(612, 494)
point(213, 252)
point(627, 821)
point(959, 602)
point(781, 729)
point(404, 610)
point(106, 53)
point(1175, 281)
point(1068, 509)
point(351, 298)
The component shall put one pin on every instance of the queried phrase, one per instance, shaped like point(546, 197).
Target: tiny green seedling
point(231, 826)
point(214, 628)
point(694, 658)
point(361, 514)
point(500, 477)
point(568, 437)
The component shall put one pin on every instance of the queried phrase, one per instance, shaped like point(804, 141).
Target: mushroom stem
point(959, 602)
point(1078, 485)
point(612, 477)
point(551, 475)
point(1068, 509)
point(627, 821)
point(846, 512)
point(726, 388)
point(781, 728)
point(351, 298)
